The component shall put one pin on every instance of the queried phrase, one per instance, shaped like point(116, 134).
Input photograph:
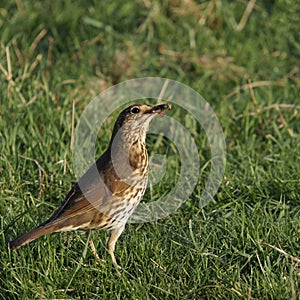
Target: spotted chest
point(120, 212)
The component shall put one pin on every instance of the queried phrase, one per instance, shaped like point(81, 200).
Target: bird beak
point(159, 109)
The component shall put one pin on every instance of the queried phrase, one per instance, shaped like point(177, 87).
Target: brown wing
point(84, 200)
point(91, 200)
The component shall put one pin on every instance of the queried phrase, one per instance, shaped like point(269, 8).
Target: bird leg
point(92, 245)
point(111, 244)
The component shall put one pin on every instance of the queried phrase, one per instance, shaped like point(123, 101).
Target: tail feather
point(29, 237)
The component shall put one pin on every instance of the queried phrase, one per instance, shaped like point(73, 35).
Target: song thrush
point(107, 194)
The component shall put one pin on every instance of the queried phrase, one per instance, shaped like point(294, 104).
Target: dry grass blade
point(158, 265)
point(246, 15)
point(42, 173)
point(73, 125)
point(293, 258)
point(277, 106)
point(254, 85)
point(34, 44)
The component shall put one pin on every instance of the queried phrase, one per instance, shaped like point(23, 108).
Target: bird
point(110, 190)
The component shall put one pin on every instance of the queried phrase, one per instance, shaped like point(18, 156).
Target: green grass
point(243, 245)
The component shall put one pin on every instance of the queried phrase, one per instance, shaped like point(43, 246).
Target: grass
point(243, 59)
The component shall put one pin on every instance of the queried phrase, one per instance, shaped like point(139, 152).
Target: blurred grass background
point(242, 57)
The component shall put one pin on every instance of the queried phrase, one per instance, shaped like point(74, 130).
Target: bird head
point(134, 121)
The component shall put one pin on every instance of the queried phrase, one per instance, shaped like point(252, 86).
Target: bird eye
point(135, 110)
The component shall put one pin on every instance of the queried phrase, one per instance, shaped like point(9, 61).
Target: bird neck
point(124, 137)
point(128, 146)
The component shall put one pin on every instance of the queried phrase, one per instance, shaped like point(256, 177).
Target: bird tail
point(29, 237)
